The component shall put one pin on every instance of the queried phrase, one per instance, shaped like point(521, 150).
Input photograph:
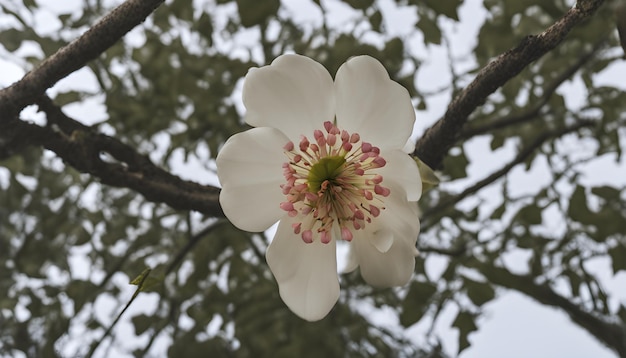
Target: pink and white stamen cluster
point(332, 181)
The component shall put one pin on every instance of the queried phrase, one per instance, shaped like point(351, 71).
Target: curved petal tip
point(306, 273)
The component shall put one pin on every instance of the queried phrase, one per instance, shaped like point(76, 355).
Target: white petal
point(382, 240)
point(371, 104)
point(392, 268)
point(409, 147)
point(249, 167)
point(294, 94)
point(401, 216)
point(395, 266)
point(306, 273)
point(402, 170)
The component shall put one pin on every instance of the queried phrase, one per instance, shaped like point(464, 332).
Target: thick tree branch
point(75, 55)
point(611, 334)
point(533, 111)
point(82, 149)
point(438, 139)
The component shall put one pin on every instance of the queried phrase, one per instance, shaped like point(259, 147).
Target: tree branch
point(75, 55)
point(521, 157)
point(533, 111)
point(611, 334)
point(438, 139)
point(82, 149)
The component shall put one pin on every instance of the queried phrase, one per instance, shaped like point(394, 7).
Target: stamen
point(329, 182)
point(325, 237)
point(307, 236)
point(346, 234)
point(296, 228)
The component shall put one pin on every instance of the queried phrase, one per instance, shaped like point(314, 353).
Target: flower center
point(327, 168)
point(332, 184)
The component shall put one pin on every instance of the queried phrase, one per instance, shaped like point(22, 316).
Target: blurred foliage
point(69, 246)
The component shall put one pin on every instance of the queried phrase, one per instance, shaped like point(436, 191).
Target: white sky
point(513, 325)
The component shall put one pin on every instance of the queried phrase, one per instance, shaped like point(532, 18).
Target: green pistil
point(327, 168)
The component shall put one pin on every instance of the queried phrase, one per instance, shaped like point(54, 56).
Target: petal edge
point(306, 273)
point(251, 193)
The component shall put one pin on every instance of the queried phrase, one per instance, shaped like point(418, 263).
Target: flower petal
point(409, 147)
point(294, 94)
point(402, 170)
point(392, 268)
point(306, 273)
point(401, 216)
point(382, 240)
point(249, 167)
point(395, 266)
point(371, 104)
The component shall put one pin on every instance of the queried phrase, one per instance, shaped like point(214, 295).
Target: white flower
point(326, 159)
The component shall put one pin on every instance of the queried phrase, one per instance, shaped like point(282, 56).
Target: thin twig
point(193, 241)
point(533, 111)
point(75, 55)
point(140, 285)
point(81, 148)
point(110, 328)
point(611, 334)
point(439, 138)
point(521, 157)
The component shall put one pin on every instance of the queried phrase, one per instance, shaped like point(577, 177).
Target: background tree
point(95, 187)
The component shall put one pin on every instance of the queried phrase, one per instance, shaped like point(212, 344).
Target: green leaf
point(376, 19)
point(67, 97)
point(606, 192)
point(138, 281)
point(618, 257)
point(182, 10)
point(430, 29)
point(528, 241)
point(14, 164)
point(479, 292)
point(429, 177)
point(455, 165)
point(204, 26)
point(359, 4)
point(530, 215)
point(498, 212)
point(465, 323)
point(147, 282)
point(142, 322)
point(421, 106)
point(578, 209)
point(445, 7)
point(416, 302)
point(497, 141)
point(64, 17)
point(11, 39)
point(80, 292)
point(255, 12)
